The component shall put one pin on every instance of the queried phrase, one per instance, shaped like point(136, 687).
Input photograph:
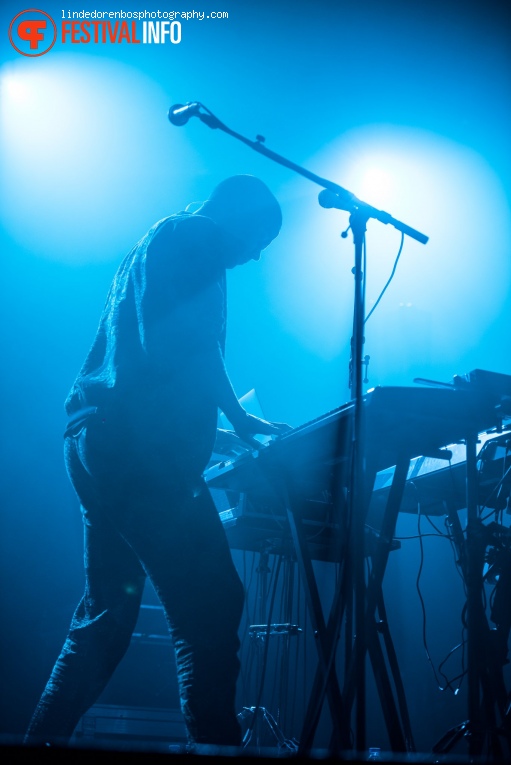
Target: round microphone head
point(326, 198)
point(178, 115)
point(342, 200)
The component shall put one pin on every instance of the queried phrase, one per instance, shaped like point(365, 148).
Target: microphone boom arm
point(339, 198)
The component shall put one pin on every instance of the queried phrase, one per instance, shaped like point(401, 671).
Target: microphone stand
point(358, 222)
point(340, 198)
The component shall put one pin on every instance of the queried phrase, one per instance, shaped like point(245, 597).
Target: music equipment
point(305, 478)
point(436, 486)
point(313, 461)
point(179, 114)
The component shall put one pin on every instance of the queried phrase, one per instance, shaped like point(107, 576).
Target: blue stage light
point(88, 158)
point(451, 290)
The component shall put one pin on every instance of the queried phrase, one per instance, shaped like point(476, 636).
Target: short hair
point(247, 203)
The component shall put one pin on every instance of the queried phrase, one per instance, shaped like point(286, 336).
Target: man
point(142, 426)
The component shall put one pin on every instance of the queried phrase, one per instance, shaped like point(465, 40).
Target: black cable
point(450, 538)
point(421, 599)
point(449, 683)
point(455, 554)
point(495, 488)
point(389, 279)
point(439, 531)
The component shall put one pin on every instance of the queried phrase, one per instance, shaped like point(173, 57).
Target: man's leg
point(182, 546)
point(101, 627)
point(178, 538)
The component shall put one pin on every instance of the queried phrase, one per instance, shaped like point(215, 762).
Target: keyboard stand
point(326, 683)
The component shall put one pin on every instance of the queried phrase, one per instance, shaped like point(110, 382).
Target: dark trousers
point(146, 515)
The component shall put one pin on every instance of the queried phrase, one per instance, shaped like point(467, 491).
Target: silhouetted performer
point(143, 413)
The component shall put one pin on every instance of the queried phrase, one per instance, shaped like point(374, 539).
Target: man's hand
point(222, 394)
point(247, 425)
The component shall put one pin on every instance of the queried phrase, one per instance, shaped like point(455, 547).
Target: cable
point(389, 279)
point(450, 538)
point(449, 683)
point(439, 531)
point(421, 599)
point(495, 488)
point(455, 553)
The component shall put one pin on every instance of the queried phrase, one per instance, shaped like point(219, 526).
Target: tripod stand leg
point(451, 738)
point(388, 705)
point(396, 676)
point(340, 737)
point(374, 588)
point(318, 622)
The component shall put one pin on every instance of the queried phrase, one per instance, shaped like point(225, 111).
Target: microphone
point(328, 199)
point(345, 200)
point(179, 114)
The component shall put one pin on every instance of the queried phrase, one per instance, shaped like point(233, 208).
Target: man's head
point(248, 215)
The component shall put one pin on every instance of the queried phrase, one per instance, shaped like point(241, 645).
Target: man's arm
point(182, 308)
point(245, 424)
